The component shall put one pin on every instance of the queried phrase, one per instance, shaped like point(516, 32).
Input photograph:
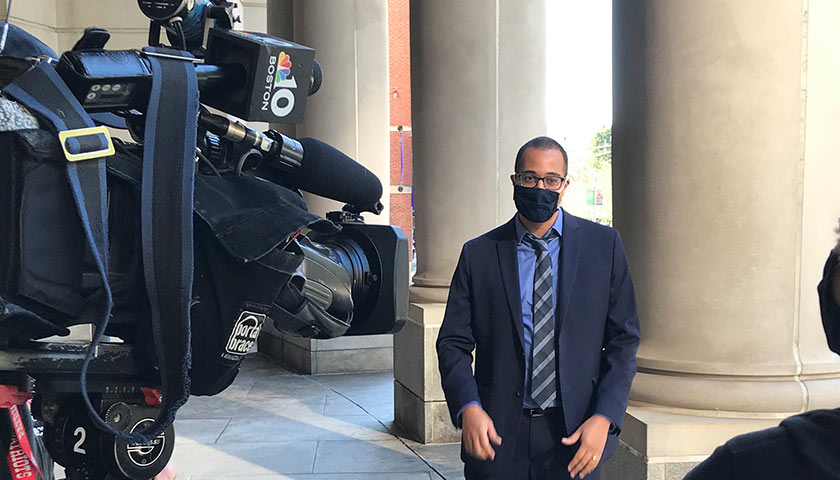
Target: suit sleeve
point(621, 340)
point(455, 343)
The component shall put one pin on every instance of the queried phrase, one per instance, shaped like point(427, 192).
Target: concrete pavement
point(273, 424)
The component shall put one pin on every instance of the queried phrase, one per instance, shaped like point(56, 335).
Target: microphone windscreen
point(328, 172)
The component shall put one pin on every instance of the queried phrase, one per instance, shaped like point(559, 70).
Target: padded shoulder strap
point(166, 217)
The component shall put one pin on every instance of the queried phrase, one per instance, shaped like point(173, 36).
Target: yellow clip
point(81, 132)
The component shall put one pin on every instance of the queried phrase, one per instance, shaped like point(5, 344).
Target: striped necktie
point(543, 388)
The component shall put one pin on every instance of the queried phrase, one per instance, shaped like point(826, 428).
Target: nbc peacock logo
point(278, 95)
point(284, 67)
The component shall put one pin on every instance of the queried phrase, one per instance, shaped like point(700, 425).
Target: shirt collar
point(521, 230)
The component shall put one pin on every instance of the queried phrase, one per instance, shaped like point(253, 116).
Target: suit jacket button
point(518, 394)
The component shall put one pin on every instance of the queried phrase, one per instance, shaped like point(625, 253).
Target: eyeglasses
point(530, 180)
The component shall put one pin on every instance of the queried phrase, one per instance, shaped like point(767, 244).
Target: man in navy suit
point(547, 303)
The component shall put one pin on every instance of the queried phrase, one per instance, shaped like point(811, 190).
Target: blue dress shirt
point(526, 258)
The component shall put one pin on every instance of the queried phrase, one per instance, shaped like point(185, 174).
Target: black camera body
point(258, 254)
point(252, 76)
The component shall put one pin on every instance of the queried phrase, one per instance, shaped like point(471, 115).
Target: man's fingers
point(486, 450)
point(590, 466)
point(478, 435)
point(571, 440)
point(168, 473)
point(468, 445)
point(475, 448)
point(578, 462)
point(586, 464)
point(494, 437)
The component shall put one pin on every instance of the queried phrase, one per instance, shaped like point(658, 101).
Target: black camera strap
point(166, 219)
point(43, 91)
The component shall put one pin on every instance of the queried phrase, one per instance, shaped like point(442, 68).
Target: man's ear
point(512, 181)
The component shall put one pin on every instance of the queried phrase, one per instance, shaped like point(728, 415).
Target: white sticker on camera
point(245, 333)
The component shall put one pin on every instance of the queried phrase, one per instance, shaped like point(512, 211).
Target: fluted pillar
point(478, 93)
point(724, 166)
point(351, 111)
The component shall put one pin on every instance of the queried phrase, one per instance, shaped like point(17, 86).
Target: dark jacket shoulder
point(507, 231)
point(503, 232)
point(591, 228)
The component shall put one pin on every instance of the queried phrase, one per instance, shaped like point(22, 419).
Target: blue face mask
point(535, 204)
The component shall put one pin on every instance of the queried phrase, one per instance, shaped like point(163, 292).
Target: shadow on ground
point(275, 424)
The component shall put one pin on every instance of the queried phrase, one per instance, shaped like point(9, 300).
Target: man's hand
point(593, 436)
point(169, 472)
point(479, 433)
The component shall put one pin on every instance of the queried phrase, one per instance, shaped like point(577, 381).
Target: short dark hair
point(540, 143)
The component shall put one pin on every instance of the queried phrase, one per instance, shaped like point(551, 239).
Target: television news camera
point(254, 255)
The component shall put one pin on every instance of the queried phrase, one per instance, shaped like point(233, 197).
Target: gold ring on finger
point(594, 458)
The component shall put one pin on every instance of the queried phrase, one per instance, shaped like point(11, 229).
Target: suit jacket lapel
point(568, 263)
point(506, 249)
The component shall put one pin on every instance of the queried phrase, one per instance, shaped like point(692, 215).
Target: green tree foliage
point(602, 148)
point(596, 174)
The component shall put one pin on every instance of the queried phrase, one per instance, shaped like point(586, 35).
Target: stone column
point(280, 19)
point(254, 15)
point(60, 23)
point(37, 18)
point(478, 93)
point(724, 168)
point(128, 27)
point(351, 113)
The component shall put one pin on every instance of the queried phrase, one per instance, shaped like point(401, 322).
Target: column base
point(657, 445)
point(427, 294)
point(425, 421)
point(366, 353)
point(419, 403)
point(733, 396)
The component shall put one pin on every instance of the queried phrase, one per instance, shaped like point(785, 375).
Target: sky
point(579, 72)
point(579, 91)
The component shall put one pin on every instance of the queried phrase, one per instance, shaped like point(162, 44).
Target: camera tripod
point(85, 452)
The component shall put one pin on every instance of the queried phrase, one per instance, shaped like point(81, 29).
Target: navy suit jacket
point(597, 325)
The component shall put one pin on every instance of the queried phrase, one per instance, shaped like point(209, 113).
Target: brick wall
point(401, 212)
point(399, 62)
